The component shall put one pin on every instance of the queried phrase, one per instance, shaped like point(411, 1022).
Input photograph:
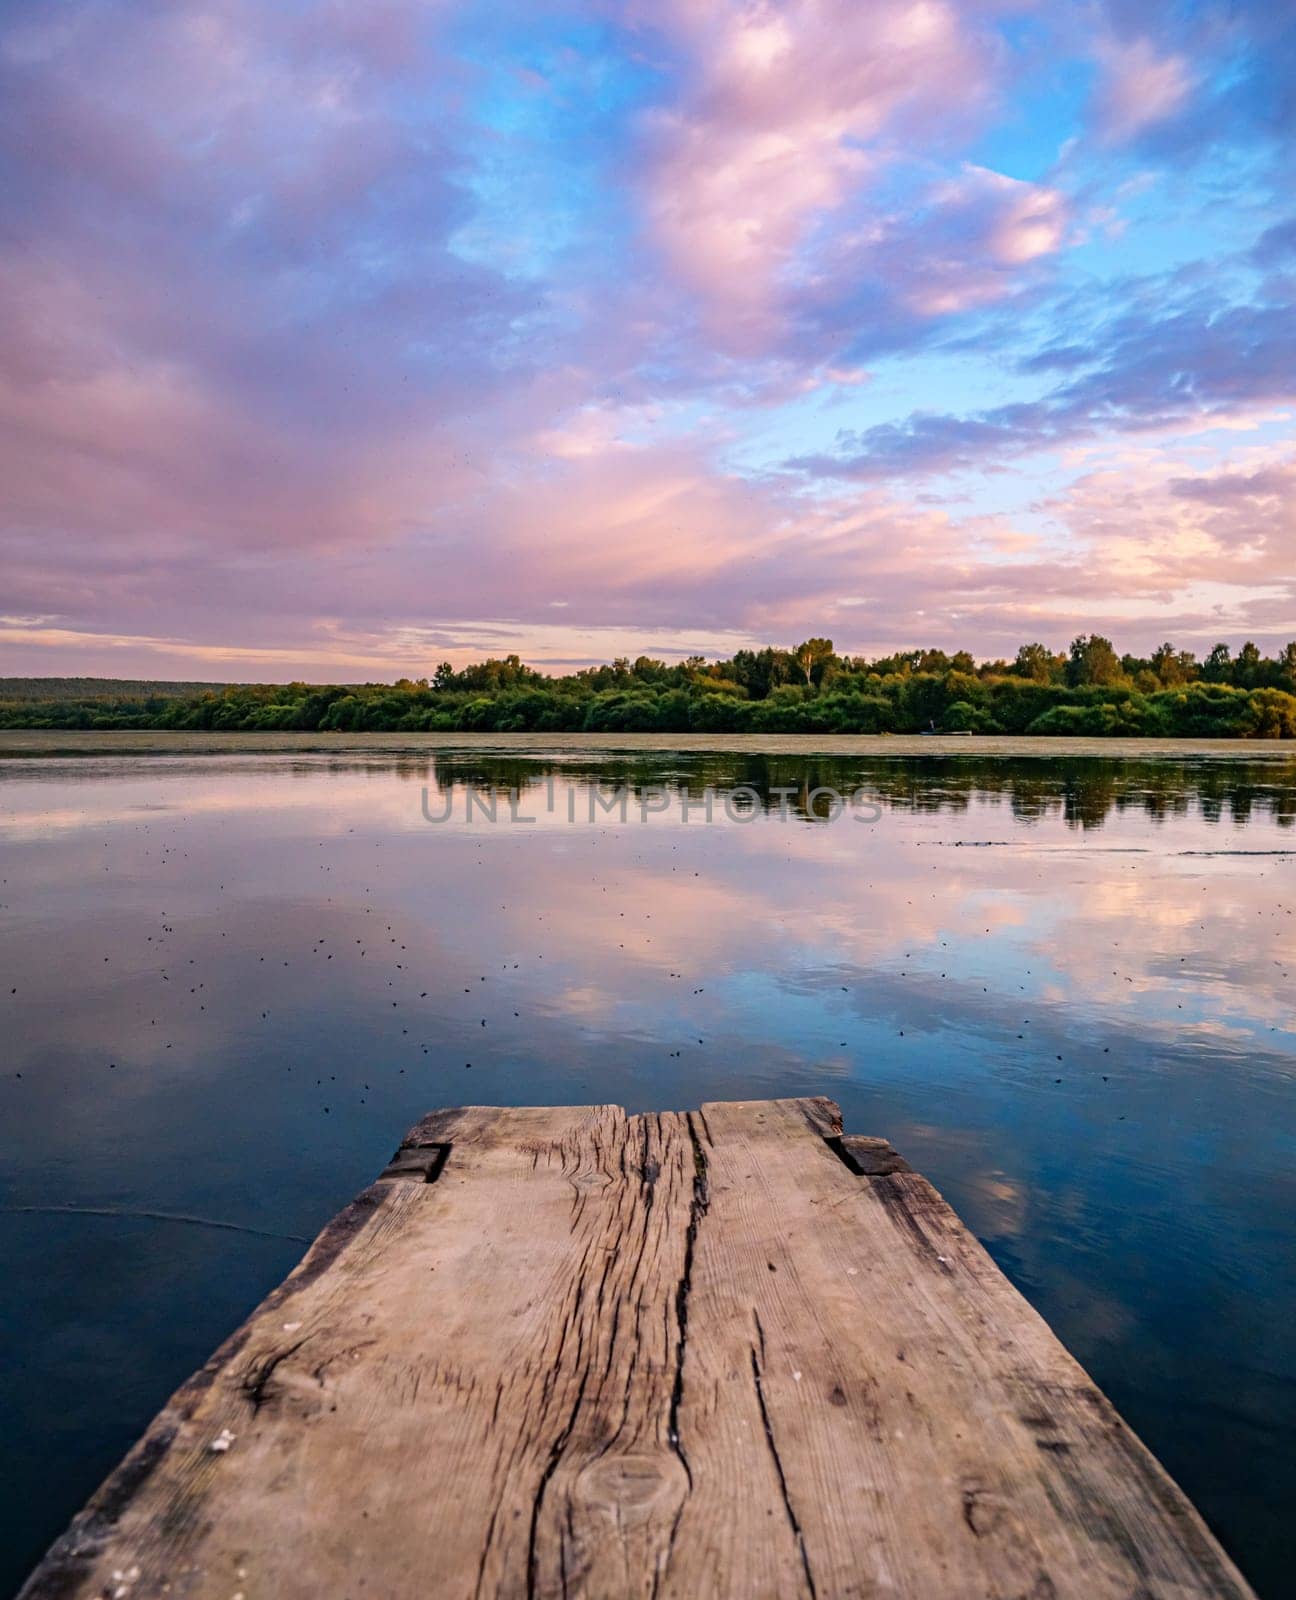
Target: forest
point(1088, 690)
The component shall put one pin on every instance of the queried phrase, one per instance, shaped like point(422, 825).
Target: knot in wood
point(633, 1486)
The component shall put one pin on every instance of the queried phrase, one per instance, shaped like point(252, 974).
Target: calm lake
point(1063, 989)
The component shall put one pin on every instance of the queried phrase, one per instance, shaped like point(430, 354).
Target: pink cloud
point(1140, 86)
point(976, 235)
point(653, 549)
point(786, 111)
point(260, 401)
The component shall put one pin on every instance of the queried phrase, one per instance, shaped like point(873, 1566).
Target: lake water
point(1063, 989)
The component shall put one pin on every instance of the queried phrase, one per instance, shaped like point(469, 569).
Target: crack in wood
point(698, 1207)
point(551, 1466)
point(794, 1521)
point(699, 1204)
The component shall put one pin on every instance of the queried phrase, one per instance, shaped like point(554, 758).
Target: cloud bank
point(337, 342)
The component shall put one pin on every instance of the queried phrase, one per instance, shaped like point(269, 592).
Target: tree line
point(1087, 690)
point(96, 689)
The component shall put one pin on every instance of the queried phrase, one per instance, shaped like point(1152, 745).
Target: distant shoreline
point(1090, 693)
point(44, 743)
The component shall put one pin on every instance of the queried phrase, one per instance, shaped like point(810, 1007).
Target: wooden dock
point(567, 1352)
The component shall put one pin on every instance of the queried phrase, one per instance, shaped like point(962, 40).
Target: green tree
point(1247, 667)
point(812, 657)
point(1218, 666)
point(1093, 661)
point(1172, 666)
point(1034, 661)
point(761, 671)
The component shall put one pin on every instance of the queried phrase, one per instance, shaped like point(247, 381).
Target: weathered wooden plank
point(926, 1433)
point(565, 1352)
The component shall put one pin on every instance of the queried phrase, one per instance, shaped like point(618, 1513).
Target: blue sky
point(338, 341)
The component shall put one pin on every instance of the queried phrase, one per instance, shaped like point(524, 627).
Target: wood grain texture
point(567, 1352)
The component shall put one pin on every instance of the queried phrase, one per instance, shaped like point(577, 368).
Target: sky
point(337, 340)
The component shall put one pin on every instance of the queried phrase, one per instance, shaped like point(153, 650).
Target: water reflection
point(1062, 989)
point(1083, 791)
